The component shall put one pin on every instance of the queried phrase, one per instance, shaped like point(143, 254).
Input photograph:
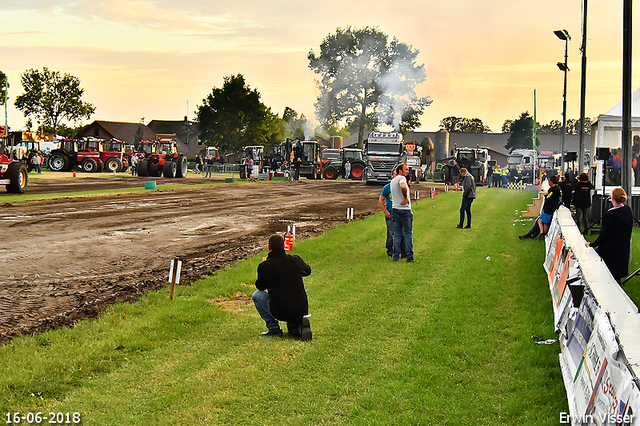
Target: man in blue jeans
point(468, 195)
point(387, 207)
point(402, 214)
point(280, 294)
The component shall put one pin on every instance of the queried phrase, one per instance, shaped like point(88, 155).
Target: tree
point(464, 125)
point(367, 78)
point(51, 98)
point(4, 85)
point(296, 125)
point(521, 133)
point(233, 116)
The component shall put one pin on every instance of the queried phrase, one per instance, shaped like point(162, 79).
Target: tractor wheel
point(357, 172)
point(169, 169)
point(330, 173)
point(18, 178)
point(181, 166)
point(143, 168)
point(58, 162)
point(113, 165)
point(89, 165)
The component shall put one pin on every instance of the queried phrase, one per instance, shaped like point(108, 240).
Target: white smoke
point(398, 87)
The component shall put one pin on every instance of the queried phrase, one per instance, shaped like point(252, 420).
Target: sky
point(158, 59)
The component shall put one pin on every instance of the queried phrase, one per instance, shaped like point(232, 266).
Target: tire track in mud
point(70, 258)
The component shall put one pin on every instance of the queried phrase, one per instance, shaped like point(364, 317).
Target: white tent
point(606, 131)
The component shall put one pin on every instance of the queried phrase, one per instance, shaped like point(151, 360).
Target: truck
point(475, 160)
point(521, 158)
point(13, 173)
point(334, 160)
point(162, 159)
point(383, 151)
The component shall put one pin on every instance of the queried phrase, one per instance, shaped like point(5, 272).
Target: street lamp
point(563, 35)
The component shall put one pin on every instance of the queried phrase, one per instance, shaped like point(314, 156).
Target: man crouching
point(281, 295)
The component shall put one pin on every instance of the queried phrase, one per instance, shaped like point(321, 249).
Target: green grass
point(444, 341)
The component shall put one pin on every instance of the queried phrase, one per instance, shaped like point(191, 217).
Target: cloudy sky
point(158, 59)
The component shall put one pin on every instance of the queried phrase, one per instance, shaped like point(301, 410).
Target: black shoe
point(305, 330)
point(459, 226)
point(410, 260)
point(524, 237)
point(395, 259)
point(272, 332)
point(467, 227)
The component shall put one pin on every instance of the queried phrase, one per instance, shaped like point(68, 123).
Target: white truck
point(383, 151)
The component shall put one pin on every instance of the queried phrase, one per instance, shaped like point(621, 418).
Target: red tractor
point(13, 173)
point(163, 159)
point(75, 153)
point(111, 154)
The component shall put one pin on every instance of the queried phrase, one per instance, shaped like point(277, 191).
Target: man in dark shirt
point(281, 295)
point(551, 204)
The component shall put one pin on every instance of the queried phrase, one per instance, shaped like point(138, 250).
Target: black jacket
point(614, 242)
point(281, 276)
point(582, 195)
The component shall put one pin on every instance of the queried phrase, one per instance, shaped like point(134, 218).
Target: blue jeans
point(261, 302)
point(466, 207)
point(389, 243)
point(402, 226)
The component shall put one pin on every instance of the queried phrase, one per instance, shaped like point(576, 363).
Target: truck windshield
point(331, 155)
point(383, 148)
point(466, 156)
point(514, 160)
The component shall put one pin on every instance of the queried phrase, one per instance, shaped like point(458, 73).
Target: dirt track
point(69, 258)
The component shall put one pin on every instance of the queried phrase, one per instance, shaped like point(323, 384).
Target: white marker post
point(349, 214)
point(174, 274)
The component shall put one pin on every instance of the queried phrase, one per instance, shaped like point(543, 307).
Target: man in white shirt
point(402, 214)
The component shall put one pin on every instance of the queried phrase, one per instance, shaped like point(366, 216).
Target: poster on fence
point(578, 332)
point(604, 386)
point(554, 252)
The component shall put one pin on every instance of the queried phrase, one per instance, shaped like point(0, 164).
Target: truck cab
point(383, 151)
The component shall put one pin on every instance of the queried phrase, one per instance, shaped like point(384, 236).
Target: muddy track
point(69, 258)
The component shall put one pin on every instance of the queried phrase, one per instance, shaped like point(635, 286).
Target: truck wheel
point(58, 162)
point(113, 164)
point(181, 166)
point(143, 168)
point(169, 169)
point(18, 178)
point(357, 172)
point(89, 165)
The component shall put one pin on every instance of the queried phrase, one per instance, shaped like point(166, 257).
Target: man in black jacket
point(281, 295)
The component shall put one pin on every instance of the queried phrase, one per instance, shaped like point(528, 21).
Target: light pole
point(563, 35)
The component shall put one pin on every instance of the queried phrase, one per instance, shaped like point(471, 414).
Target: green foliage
point(296, 125)
point(233, 116)
point(365, 77)
point(521, 133)
point(4, 85)
point(554, 127)
point(50, 98)
point(443, 341)
point(464, 125)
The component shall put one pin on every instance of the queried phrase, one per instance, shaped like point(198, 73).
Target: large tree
point(4, 85)
point(521, 133)
point(233, 116)
point(365, 77)
point(464, 125)
point(51, 97)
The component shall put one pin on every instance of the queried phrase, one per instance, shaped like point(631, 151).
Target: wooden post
point(174, 275)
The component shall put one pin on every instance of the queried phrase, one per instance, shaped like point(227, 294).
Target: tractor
point(75, 153)
point(162, 159)
point(334, 160)
point(13, 173)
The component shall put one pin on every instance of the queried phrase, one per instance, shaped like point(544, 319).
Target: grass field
point(443, 341)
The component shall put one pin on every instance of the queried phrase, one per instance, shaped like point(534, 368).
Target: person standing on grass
point(468, 195)
point(582, 200)
point(280, 294)
point(614, 242)
point(387, 207)
point(401, 214)
point(551, 204)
